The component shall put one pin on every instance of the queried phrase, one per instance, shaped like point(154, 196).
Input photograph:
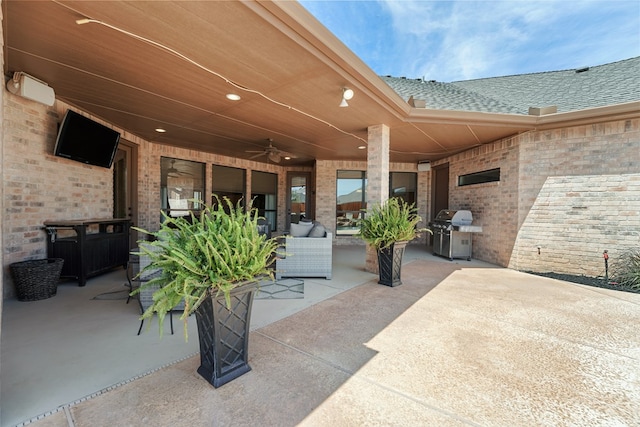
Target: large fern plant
point(393, 221)
point(212, 254)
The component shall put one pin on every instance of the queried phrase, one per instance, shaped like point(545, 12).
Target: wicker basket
point(36, 279)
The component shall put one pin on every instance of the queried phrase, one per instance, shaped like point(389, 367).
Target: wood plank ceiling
point(170, 64)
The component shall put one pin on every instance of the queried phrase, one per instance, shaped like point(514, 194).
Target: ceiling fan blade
point(177, 172)
point(287, 154)
point(275, 157)
point(273, 153)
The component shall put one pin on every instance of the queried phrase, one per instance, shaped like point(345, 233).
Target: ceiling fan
point(273, 154)
point(175, 172)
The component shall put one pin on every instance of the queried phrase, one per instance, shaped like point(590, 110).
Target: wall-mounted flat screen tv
point(84, 140)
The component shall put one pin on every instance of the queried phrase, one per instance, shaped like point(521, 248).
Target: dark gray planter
point(223, 334)
point(390, 264)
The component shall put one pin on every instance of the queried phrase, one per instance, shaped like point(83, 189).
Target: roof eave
point(339, 56)
point(629, 110)
point(425, 115)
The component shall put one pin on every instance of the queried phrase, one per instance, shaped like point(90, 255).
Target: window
point(403, 185)
point(299, 198)
point(181, 186)
point(229, 182)
point(264, 191)
point(490, 175)
point(351, 196)
point(350, 200)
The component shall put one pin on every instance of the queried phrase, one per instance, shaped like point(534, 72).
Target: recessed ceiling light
point(287, 157)
point(233, 97)
point(160, 130)
point(362, 147)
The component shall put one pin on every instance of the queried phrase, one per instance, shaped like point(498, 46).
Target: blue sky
point(461, 40)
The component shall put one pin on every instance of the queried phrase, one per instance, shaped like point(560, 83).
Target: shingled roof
point(568, 90)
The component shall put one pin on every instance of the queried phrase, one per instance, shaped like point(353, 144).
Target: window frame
point(482, 177)
point(347, 219)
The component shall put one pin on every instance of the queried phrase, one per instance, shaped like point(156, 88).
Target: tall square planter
point(390, 264)
point(223, 333)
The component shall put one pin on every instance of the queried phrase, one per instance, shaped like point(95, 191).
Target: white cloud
point(459, 40)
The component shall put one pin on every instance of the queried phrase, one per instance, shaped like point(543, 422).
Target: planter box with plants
point(212, 265)
point(388, 228)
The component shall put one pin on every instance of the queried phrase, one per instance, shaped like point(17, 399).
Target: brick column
point(377, 178)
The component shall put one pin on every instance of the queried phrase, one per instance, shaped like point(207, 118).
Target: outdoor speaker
point(31, 88)
point(424, 167)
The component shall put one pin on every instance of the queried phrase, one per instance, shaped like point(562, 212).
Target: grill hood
point(460, 217)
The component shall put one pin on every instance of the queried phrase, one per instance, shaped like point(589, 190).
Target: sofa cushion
point(301, 229)
point(318, 230)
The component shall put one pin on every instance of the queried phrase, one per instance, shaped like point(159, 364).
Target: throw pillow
point(301, 229)
point(318, 230)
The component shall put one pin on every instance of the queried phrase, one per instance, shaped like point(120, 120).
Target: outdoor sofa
point(306, 252)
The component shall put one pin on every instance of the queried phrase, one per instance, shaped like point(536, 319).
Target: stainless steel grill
point(452, 234)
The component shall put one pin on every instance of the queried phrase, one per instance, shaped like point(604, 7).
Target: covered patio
point(166, 87)
point(459, 343)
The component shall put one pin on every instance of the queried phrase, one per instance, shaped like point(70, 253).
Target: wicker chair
point(145, 296)
point(305, 257)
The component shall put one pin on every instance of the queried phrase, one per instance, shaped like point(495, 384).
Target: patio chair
point(145, 296)
point(306, 255)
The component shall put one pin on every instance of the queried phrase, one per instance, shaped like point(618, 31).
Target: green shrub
point(394, 221)
point(212, 254)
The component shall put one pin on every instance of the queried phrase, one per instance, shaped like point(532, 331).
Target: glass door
point(181, 187)
point(264, 193)
point(125, 186)
point(298, 197)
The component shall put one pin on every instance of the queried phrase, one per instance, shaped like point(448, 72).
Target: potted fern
point(388, 228)
point(212, 265)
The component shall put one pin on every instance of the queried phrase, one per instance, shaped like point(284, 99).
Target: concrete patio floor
point(457, 344)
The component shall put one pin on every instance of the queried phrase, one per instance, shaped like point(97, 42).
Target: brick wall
point(579, 196)
point(149, 179)
point(326, 177)
point(326, 173)
point(494, 205)
point(38, 186)
point(572, 192)
point(558, 189)
point(326, 181)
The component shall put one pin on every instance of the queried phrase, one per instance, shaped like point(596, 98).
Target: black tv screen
point(83, 140)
